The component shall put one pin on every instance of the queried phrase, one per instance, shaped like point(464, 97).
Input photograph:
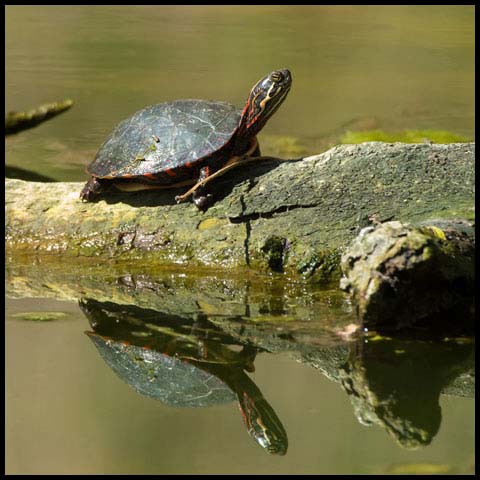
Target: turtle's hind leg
point(91, 189)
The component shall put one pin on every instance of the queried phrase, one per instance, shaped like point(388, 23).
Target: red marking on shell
point(170, 172)
point(149, 175)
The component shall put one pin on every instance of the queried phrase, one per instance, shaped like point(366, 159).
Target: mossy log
point(17, 121)
point(294, 217)
point(401, 275)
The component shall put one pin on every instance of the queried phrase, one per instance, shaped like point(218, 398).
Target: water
point(67, 410)
point(376, 67)
point(155, 386)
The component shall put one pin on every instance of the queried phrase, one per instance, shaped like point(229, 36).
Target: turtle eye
point(276, 76)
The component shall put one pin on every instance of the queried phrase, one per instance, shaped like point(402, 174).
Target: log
point(402, 275)
point(17, 121)
point(292, 217)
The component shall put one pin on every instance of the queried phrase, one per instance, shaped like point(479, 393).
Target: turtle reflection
point(183, 363)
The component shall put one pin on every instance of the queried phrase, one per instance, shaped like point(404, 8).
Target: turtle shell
point(174, 381)
point(164, 137)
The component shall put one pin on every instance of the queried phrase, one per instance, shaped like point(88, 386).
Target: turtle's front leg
point(198, 190)
point(200, 198)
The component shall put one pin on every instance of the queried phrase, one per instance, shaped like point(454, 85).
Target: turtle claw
point(202, 201)
point(91, 189)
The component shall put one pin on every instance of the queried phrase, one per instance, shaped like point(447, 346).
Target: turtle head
point(261, 421)
point(264, 99)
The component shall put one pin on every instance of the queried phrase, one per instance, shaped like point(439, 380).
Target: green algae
point(282, 146)
point(405, 136)
point(321, 267)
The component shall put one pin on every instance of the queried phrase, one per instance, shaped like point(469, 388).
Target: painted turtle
point(159, 357)
point(184, 142)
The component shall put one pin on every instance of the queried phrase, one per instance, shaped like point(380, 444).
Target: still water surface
point(155, 386)
point(68, 410)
